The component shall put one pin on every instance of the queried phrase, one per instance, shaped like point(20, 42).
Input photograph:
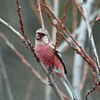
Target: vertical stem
point(1, 89)
point(39, 9)
point(6, 79)
point(54, 30)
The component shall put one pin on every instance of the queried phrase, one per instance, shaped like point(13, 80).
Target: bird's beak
point(37, 36)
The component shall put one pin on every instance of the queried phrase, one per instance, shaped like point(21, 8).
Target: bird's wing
point(57, 53)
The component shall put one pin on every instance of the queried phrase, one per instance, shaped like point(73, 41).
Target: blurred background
point(19, 75)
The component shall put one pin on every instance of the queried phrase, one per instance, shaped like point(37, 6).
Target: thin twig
point(49, 16)
point(35, 9)
point(75, 19)
point(79, 8)
point(39, 9)
point(56, 11)
point(94, 79)
point(93, 88)
point(20, 18)
point(65, 97)
point(97, 19)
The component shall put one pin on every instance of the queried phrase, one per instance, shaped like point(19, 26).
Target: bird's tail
point(68, 87)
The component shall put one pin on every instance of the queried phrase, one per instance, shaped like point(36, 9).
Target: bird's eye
point(43, 34)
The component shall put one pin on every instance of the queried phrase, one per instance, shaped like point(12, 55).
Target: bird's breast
point(45, 53)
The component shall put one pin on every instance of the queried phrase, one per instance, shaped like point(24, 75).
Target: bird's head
point(42, 36)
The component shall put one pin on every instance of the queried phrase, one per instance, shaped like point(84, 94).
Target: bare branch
point(97, 19)
point(93, 88)
point(94, 79)
point(75, 19)
point(39, 9)
point(79, 8)
point(34, 9)
point(56, 11)
point(20, 17)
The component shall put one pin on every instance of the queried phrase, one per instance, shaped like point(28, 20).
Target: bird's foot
point(51, 69)
point(51, 84)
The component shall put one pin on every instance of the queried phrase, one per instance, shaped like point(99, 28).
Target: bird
point(44, 49)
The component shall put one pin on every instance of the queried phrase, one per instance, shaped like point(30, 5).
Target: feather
point(57, 53)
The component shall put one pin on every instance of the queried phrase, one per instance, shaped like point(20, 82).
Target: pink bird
point(44, 49)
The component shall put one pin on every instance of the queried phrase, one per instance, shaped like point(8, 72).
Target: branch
point(75, 18)
point(93, 88)
point(94, 79)
point(97, 19)
point(20, 19)
point(79, 8)
point(56, 11)
point(39, 9)
point(65, 97)
point(14, 32)
point(34, 9)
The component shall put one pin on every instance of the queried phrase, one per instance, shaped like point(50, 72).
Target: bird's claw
point(51, 69)
point(51, 84)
